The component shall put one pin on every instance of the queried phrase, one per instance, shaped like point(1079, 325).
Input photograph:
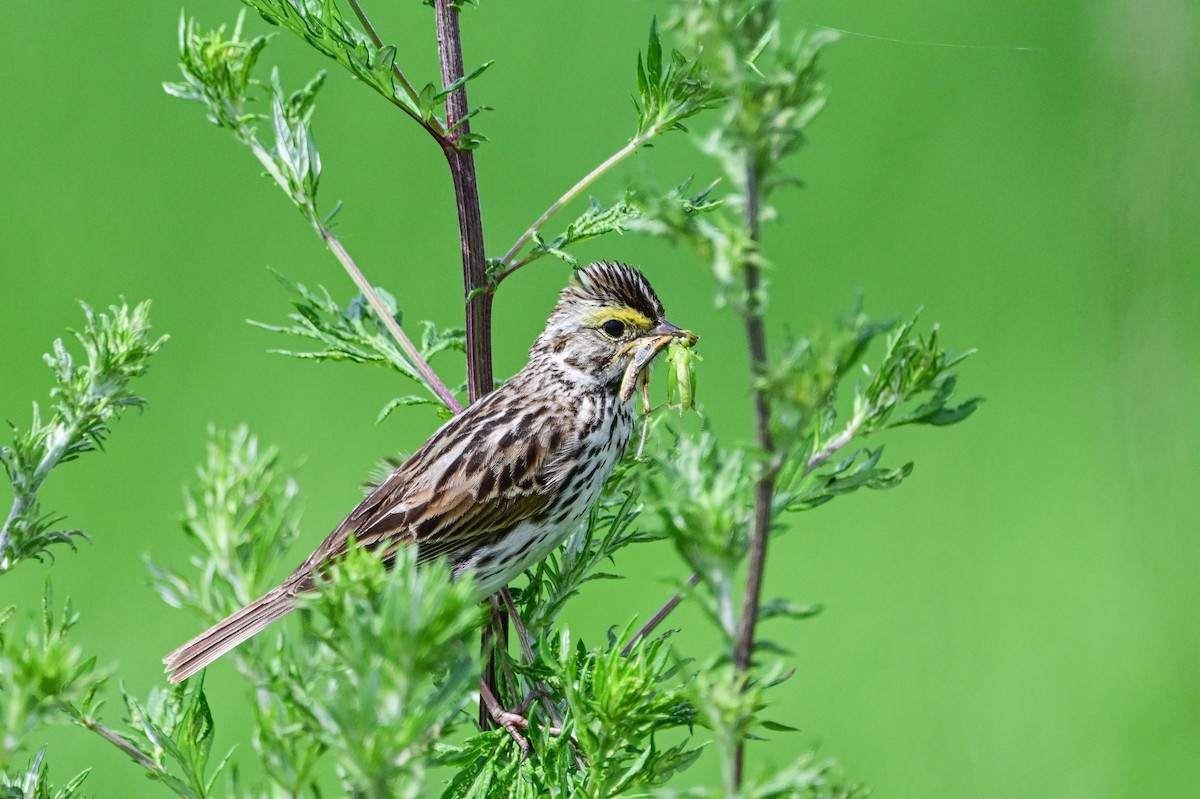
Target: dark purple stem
point(466, 196)
point(764, 489)
point(474, 263)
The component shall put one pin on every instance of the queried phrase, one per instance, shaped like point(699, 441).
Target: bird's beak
point(665, 328)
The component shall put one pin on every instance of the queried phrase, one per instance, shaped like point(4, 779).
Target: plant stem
point(434, 382)
point(570, 194)
point(659, 616)
point(56, 447)
point(837, 442)
point(466, 195)
point(432, 125)
point(18, 507)
point(539, 687)
point(115, 739)
point(764, 489)
point(474, 261)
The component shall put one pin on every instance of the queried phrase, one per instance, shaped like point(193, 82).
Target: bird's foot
point(512, 721)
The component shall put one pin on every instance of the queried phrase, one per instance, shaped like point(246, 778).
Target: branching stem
point(116, 740)
point(433, 126)
point(58, 443)
point(836, 443)
point(660, 615)
point(430, 377)
point(569, 195)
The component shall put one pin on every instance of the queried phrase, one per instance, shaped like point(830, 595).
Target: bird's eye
point(613, 328)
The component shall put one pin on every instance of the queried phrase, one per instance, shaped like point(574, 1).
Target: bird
point(502, 483)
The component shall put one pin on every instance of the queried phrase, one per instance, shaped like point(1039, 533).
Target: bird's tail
point(225, 635)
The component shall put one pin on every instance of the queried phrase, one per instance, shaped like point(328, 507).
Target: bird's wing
point(479, 475)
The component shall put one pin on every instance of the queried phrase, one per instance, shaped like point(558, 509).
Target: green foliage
point(353, 333)
point(617, 701)
point(218, 73)
point(87, 397)
point(913, 384)
point(174, 731)
point(397, 668)
point(47, 678)
point(35, 782)
point(40, 672)
point(321, 24)
point(772, 86)
point(670, 89)
point(241, 517)
point(596, 221)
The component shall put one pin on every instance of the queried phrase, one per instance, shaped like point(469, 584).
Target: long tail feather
point(225, 635)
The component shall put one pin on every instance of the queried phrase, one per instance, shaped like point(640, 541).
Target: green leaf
point(407, 401)
point(775, 726)
point(89, 395)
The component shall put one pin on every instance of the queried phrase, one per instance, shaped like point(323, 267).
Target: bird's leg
point(507, 719)
point(540, 691)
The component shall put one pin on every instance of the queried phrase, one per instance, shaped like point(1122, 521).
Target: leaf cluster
point(671, 88)
point(241, 516)
point(913, 383)
point(218, 74)
point(396, 669)
point(174, 732)
point(772, 85)
point(41, 672)
point(616, 702)
point(34, 783)
point(321, 24)
point(353, 333)
point(48, 679)
point(89, 394)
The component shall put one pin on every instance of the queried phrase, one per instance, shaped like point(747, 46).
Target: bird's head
point(609, 324)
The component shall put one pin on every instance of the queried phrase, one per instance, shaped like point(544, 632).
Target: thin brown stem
point(764, 489)
point(543, 692)
point(116, 740)
point(389, 322)
point(659, 616)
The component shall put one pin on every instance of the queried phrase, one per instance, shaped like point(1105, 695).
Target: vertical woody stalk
point(461, 161)
point(466, 196)
point(764, 488)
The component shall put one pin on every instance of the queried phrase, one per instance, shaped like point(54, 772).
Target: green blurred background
point(1021, 618)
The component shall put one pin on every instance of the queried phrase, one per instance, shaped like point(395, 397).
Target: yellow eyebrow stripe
point(629, 316)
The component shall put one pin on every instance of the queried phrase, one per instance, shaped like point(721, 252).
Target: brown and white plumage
point(501, 484)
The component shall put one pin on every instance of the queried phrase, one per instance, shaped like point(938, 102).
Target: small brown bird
point(502, 483)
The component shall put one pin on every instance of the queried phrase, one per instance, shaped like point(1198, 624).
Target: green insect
point(681, 375)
